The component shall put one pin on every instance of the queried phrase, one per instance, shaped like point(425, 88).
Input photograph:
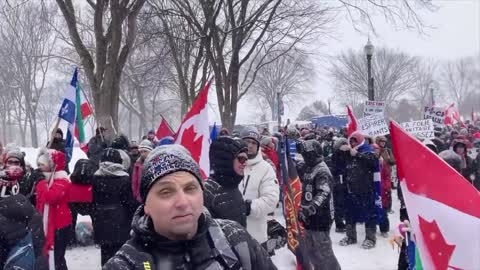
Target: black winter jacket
point(17, 216)
point(29, 182)
point(220, 244)
point(359, 172)
point(224, 201)
point(113, 208)
point(317, 192)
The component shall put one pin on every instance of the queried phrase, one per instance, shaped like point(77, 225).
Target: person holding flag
point(52, 202)
point(316, 206)
point(360, 199)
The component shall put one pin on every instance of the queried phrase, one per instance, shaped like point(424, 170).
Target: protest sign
point(373, 125)
point(374, 107)
point(422, 129)
point(436, 114)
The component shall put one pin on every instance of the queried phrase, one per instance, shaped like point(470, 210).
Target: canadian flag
point(443, 207)
point(352, 121)
point(194, 133)
point(164, 129)
point(452, 115)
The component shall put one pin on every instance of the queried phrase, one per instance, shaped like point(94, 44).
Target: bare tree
point(315, 109)
point(115, 28)
point(426, 84)
point(27, 41)
point(187, 54)
point(393, 73)
point(289, 74)
point(459, 81)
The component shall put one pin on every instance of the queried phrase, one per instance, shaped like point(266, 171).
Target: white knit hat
point(145, 145)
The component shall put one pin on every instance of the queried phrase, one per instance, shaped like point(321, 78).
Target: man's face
point(151, 136)
point(239, 163)
point(252, 147)
point(460, 149)
point(144, 153)
point(134, 151)
point(175, 204)
point(353, 142)
point(42, 167)
point(382, 144)
point(58, 136)
point(454, 135)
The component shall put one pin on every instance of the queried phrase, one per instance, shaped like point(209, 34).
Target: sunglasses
point(242, 159)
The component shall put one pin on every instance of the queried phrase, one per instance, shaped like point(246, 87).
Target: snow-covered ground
point(382, 257)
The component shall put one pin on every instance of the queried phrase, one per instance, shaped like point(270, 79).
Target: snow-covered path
point(382, 257)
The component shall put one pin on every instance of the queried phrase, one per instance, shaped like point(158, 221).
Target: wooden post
point(52, 135)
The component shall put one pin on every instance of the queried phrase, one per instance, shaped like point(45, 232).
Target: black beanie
point(121, 142)
point(222, 153)
point(165, 160)
point(111, 155)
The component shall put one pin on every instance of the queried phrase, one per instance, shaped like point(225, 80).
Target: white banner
point(373, 125)
point(374, 107)
point(436, 114)
point(422, 129)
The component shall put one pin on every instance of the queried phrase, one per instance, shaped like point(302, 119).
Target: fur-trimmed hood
point(54, 159)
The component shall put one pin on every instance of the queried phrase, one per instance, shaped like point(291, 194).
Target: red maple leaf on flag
point(189, 142)
point(440, 251)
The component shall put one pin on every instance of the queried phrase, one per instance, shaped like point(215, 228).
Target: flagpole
point(52, 135)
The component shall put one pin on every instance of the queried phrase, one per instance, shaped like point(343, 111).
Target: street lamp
point(368, 50)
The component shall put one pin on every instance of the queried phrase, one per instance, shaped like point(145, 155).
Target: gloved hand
point(248, 207)
point(11, 231)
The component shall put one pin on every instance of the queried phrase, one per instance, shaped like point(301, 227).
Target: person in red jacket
point(270, 153)
point(53, 193)
point(144, 148)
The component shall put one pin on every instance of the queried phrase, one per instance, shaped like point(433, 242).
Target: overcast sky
point(455, 33)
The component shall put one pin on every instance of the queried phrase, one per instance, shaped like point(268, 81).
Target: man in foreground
point(170, 230)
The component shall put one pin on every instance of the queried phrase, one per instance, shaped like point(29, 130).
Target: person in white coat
point(259, 187)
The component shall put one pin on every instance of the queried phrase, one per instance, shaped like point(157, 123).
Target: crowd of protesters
point(150, 205)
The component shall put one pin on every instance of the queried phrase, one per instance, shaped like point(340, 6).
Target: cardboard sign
point(422, 129)
point(436, 114)
point(373, 125)
point(374, 107)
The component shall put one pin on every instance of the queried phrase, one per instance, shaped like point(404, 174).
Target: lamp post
point(368, 50)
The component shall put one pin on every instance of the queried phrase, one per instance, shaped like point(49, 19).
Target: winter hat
point(250, 133)
point(151, 131)
point(16, 153)
point(224, 132)
point(339, 142)
point(292, 133)
point(266, 140)
point(121, 142)
point(452, 159)
point(464, 132)
point(52, 158)
point(430, 144)
point(166, 140)
point(165, 160)
point(145, 145)
point(59, 131)
point(222, 153)
point(358, 136)
point(111, 155)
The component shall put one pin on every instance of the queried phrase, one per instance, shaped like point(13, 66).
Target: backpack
point(83, 171)
point(22, 255)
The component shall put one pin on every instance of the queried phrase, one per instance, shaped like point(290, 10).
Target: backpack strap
point(236, 258)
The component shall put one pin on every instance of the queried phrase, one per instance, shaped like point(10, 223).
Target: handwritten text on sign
point(373, 125)
point(374, 107)
point(422, 129)
point(436, 114)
